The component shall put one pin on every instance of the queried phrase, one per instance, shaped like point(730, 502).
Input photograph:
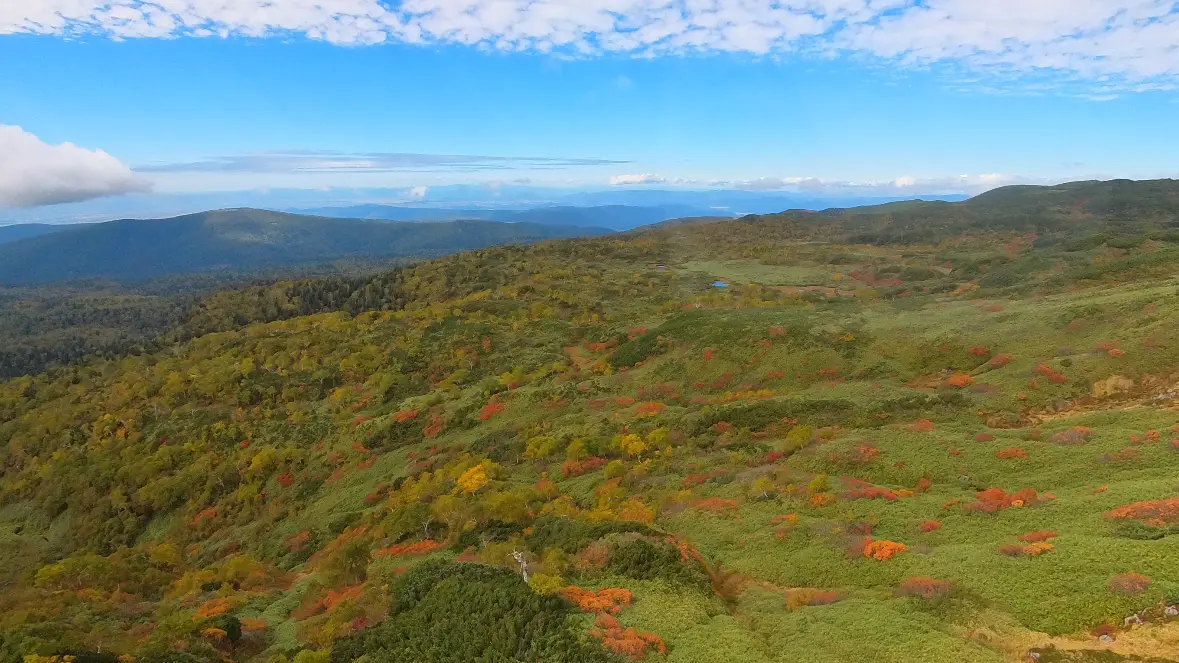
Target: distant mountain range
point(450, 198)
point(614, 217)
point(241, 239)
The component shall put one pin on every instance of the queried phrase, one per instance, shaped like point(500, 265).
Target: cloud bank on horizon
point(1107, 44)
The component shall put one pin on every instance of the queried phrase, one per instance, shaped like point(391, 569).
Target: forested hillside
point(755, 440)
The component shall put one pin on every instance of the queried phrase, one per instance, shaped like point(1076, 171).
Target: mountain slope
point(23, 230)
point(1066, 211)
point(849, 454)
point(241, 238)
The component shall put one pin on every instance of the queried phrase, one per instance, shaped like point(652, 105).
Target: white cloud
point(903, 185)
point(1114, 44)
point(419, 192)
point(645, 178)
point(34, 173)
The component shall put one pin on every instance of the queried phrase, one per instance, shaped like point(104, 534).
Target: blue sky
point(829, 96)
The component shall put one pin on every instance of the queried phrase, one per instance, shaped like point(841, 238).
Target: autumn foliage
point(924, 587)
point(882, 550)
point(610, 600)
point(407, 549)
point(1128, 584)
point(1156, 513)
point(992, 500)
point(628, 642)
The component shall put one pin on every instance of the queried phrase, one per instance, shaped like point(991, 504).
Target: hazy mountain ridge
point(242, 238)
point(614, 217)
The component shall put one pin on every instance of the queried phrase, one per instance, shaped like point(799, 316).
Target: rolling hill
point(242, 239)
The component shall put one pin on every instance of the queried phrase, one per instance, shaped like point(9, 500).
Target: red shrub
point(488, 411)
point(405, 415)
point(873, 493)
point(979, 351)
point(716, 505)
point(1011, 454)
point(406, 549)
point(649, 409)
point(920, 426)
point(999, 361)
point(930, 525)
point(1128, 584)
point(1073, 436)
point(285, 479)
point(924, 588)
point(984, 437)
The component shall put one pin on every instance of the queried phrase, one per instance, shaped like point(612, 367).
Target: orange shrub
point(1038, 536)
point(882, 550)
point(992, 500)
point(211, 608)
point(650, 409)
point(959, 381)
point(1156, 513)
point(609, 600)
point(930, 525)
point(1011, 454)
point(405, 415)
point(820, 500)
point(629, 642)
point(1128, 584)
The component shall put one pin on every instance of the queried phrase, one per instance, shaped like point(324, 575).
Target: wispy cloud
point(1123, 45)
point(34, 173)
point(371, 162)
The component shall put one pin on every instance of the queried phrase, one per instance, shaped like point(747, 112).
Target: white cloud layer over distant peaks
point(1110, 44)
point(35, 173)
point(904, 185)
point(646, 178)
